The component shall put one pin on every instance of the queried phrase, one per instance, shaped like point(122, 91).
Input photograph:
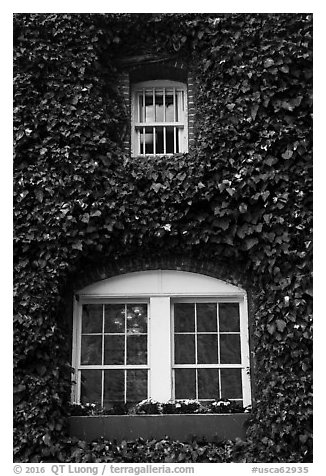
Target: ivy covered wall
point(241, 198)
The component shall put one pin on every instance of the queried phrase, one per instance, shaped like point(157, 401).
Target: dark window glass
point(185, 383)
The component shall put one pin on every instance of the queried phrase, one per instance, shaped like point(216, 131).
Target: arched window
point(162, 334)
point(159, 118)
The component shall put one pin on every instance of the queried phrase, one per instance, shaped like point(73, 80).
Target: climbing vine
point(243, 193)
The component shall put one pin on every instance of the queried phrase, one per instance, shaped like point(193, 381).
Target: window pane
point(149, 113)
point(159, 140)
point(184, 317)
point(92, 318)
point(91, 350)
point(136, 385)
point(136, 318)
point(207, 349)
point(136, 349)
point(208, 384)
point(185, 383)
point(229, 317)
point(114, 318)
point(230, 349)
point(184, 349)
point(170, 140)
point(231, 383)
point(149, 140)
point(91, 386)
point(114, 386)
point(114, 350)
point(169, 106)
point(206, 317)
point(159, 105)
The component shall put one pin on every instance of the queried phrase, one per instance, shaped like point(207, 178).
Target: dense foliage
point(241, 196)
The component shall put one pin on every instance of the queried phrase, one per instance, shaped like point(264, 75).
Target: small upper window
point(159, 118)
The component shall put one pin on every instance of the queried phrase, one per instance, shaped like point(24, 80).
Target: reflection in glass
point(136, 318)
point(231, 383)
point(230, 349)
point(91, 386)
point(184, 317)
point(206, 317)
point(184, 349)
point(207, 349)
point(136, 385)
point(136, 349)
point(114, 386)
point(91, 350)
point(208, 387)
point(92, 318)
point(229, 317)
point(169, 107)
point(114, 318)
point(114, 350)
point(185, 383)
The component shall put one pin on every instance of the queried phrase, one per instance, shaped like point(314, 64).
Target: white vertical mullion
point(174, 106)
point(154, 140)
point(175, 139)
point(102, 371)
point(160, 349)
point(144, 141)
point(196, 351)
point(164, 139)
point(245, 356)
point(125, 357)
point(218, 348)
point(76, 351)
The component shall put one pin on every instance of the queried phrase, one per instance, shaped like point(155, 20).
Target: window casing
point(176, 335)
point(159, 118)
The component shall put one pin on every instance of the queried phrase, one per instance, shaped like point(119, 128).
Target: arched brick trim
point(220, 270)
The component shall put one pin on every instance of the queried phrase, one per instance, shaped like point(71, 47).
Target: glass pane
point(206, 317)
point(159, 106)
point(140, 106)
point(91, 386)
point(230, 349)
point(136, 385)
point(184, 349)
point(149, 140)
point(149, 113)
point(185, 383)
point(136, 350)
point(114, 318)
point(169, 106)
point(159, 140)
point(91, 350)
point(184, 317)
point(208, 384)
point(170, 140)
point(231, 383)
point(114, 386)
point(136, 318)
point(92, 318)
point(207, 349)
point(229, 317)
point(114, 350)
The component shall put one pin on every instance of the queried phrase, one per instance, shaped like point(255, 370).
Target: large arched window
point(162, 334)
point(159, 118)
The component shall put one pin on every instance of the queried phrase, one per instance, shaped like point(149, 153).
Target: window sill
point(213, 427)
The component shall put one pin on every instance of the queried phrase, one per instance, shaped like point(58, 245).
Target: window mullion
point(196, 352)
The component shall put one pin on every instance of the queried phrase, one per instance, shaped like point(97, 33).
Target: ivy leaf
point(280, 324)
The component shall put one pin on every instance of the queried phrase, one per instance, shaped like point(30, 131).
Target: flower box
point(182, 427)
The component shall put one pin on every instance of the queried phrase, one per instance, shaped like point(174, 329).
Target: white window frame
point(161, 289)
point(180, 127)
